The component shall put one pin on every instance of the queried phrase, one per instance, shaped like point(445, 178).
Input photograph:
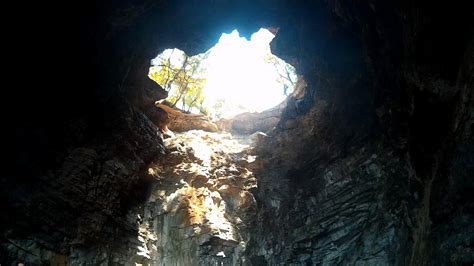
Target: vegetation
point(286, 72)
point(182, 77)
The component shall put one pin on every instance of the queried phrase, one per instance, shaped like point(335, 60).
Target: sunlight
point(237, 75)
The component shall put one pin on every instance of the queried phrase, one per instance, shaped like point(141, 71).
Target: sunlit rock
point(195, 212)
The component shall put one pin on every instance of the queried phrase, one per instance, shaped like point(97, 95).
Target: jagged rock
point(205, 201)
point(180, 122)
point(82, 201)
point(248, 123)
point(387, 78)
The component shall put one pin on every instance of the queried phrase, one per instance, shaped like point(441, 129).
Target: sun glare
point(239, 75)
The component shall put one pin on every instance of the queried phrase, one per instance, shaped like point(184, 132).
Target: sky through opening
point(237, 75)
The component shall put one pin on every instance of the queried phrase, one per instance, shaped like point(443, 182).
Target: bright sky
point(237, 73)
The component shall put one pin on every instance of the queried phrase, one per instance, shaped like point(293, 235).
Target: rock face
point(371, 164)
point(200, 205)
point(249, 123)
point(82, 203)
point(180, 122)
point(329, 214)
point(349, 175)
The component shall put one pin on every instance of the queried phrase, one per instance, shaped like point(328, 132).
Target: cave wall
point(362, 170)
point(372, 165)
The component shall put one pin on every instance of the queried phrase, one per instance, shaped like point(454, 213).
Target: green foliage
point(286, 73)
point(218, 108)
point(182, 77)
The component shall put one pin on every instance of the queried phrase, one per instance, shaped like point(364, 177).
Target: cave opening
point(220, 103)
point(366, 162)
point(235, 76)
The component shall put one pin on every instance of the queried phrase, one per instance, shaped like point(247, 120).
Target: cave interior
point(369, 161)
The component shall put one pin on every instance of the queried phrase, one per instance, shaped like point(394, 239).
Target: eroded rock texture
point(200, 206)
point(370, 164)
point(180, 121)
point(249, 123)
point(79, 206)
point(363, 161)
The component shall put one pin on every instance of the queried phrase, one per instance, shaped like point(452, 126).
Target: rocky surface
point(179, 121)
point(342, 213)
point(80, 205)
point(359, 173)
point(200, 206)
point(249, 123)
point(371, 164)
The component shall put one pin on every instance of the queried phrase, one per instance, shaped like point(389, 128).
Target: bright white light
point(239, 73)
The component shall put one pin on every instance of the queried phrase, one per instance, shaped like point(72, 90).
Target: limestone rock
point(205, 204)
point(180, 122)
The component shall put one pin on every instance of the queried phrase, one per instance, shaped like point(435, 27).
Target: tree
point(182, 77)
point(286, 72)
